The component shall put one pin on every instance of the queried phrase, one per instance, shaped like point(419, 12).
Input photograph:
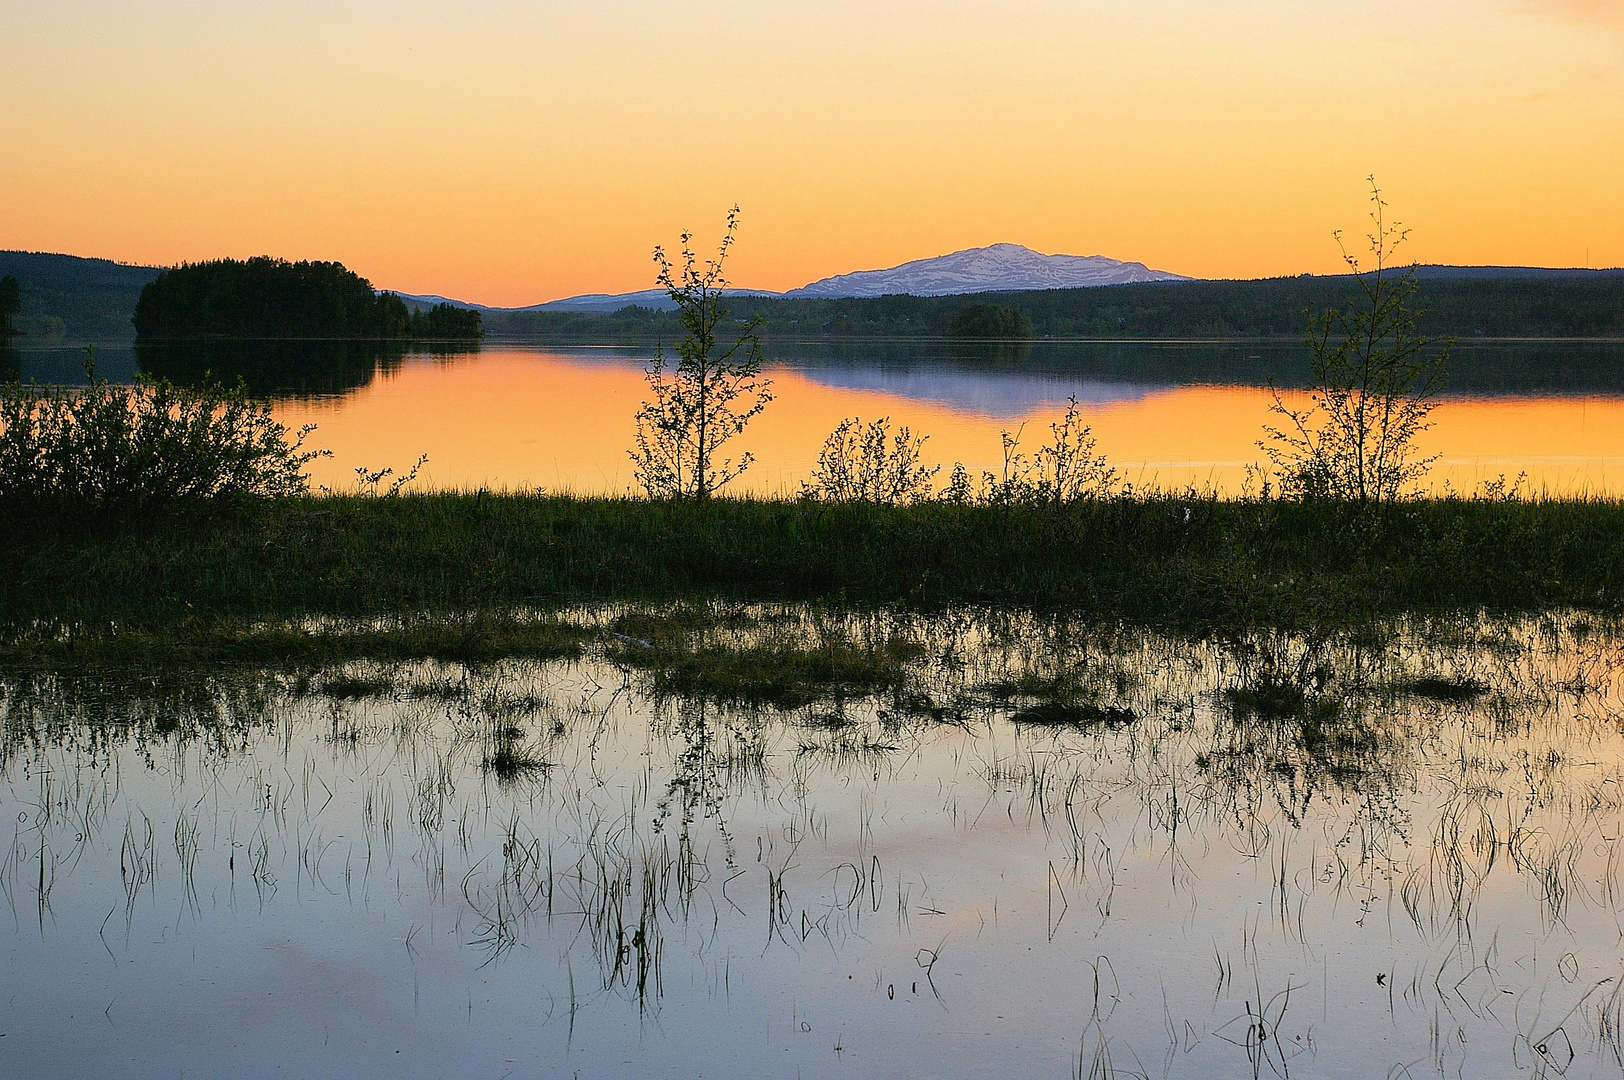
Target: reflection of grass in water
point(1445, 688)
point(355, 687)
point(1276, 699)
point(1281, 728)
point(845, 738)
point(779, 674)
point(719, 653)
point(1068, 684)
point(470, 639)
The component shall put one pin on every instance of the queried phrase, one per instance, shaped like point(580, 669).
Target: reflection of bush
point(151, 709)
point(989, 353)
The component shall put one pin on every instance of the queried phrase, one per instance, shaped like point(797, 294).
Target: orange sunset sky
point(510, 152)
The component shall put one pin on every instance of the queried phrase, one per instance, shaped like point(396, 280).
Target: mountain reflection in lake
point(1055, 851)
point(1167, 414)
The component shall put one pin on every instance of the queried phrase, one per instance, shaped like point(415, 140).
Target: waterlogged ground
point(1049, 852)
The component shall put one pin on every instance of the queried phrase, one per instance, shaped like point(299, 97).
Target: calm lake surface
point(1058, 851)
point(1170, 414)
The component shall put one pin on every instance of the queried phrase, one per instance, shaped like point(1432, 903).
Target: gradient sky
point(512, 152)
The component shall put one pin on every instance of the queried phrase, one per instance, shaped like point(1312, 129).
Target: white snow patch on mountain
point(999, 268)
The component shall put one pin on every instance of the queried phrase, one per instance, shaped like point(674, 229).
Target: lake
point(1046, 848)
point(522, 416)
point(1057, 850)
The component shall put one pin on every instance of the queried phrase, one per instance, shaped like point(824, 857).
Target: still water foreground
point(1052, 851)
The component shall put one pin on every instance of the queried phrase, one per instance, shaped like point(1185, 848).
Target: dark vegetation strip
point(1186, 562)
point(1576, 307)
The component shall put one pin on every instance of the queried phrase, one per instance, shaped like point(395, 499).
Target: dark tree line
point(272, 298)
point(1465, 307)
point(11, 302)
point(989, 321)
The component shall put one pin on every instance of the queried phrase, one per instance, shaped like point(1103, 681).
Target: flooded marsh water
point(1051, 850)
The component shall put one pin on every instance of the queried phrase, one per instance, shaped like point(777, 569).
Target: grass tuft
point(1057, 714)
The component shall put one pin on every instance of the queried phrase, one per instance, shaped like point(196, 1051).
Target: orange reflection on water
point(520, 419)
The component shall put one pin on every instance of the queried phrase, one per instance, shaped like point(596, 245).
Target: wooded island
point(272, 298)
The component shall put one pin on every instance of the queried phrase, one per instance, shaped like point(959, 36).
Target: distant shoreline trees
point(273, 298)
point(989, 322)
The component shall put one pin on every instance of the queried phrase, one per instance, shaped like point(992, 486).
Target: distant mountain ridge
point(68, 296)
point(1440, 272)
point(587, 303)
point(996, 268)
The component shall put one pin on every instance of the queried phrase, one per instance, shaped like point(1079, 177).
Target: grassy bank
point(1182, 562)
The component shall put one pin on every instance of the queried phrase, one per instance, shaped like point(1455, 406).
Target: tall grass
point(1168, 559)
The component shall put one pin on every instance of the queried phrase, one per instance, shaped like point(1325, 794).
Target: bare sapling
point(710, 394)
point(1376, 382)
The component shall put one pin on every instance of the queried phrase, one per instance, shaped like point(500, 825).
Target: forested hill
point(272, 298)
point(1577, 305)
point(66, 296)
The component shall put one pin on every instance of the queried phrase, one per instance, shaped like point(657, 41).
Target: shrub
point(114, 448)
point(1067, 469)
point(870, 464)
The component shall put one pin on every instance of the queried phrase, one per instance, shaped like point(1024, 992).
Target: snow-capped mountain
point(999, 268)
point(428, 300)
